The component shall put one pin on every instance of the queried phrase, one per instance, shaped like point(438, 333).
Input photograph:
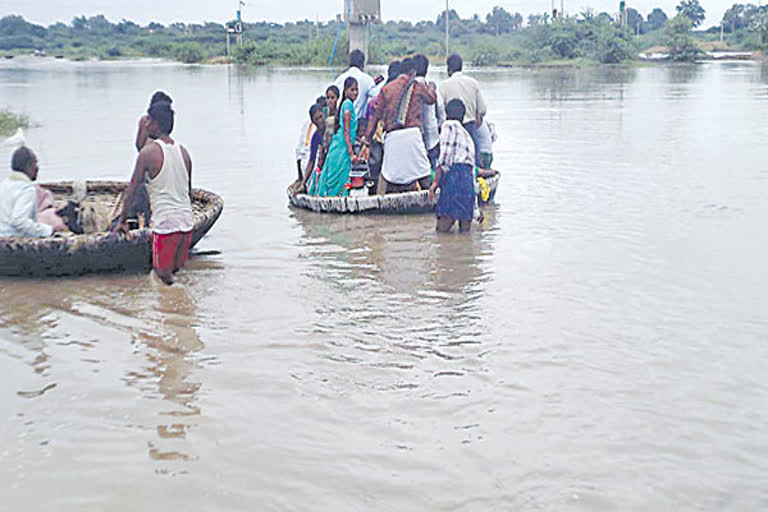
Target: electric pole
point(447, 33)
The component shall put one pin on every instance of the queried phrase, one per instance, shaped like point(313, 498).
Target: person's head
point(317, 115)
point(321, 101)
point(454, 63)
point(24, 160)
point(350, 89)
point(160, 97)
point(357, 60)
point(394, 70)
point(161, 116)
point(332, 96)
point(455, 110)
point(407, 67)
point(421, 63)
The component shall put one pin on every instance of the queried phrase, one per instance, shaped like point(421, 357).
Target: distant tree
point(634, 20)
point(679, 40)
point(500, 20)
point(588, 14)
point(604, 17)
point(656, 19)
point(536, 19)
point(517, 21)
point(453, 18)
point(759, 25)
point(692, 10)
point(735, 18)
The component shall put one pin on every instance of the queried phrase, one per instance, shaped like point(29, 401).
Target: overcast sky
point(194, 11)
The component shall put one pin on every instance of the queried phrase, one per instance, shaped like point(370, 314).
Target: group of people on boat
point(160, 187)
point(413, 134)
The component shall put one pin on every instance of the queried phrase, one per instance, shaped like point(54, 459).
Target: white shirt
point(432, 118)
point(484, 138)
point(365, 85)
point(303, 148)
point(460, 86)
point(18, 208)
point(169, 193)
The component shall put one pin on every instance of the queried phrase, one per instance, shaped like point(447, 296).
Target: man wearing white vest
point(166, 167)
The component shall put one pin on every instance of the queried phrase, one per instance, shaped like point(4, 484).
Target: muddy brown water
point(599, 345)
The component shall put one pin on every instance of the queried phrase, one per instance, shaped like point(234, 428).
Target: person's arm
point(301, 147)
point(428, 93)
point(482, 109)
point(146, 159)
point(143, 134)
point(378, 111)
point(23, 218)
point(440, 107)
point(188, 163)
point(348, 136)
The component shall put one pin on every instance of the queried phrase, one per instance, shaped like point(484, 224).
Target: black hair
point(162, 114)
point(455, 110)
point(394, 70)
point(321, 100)
point(407, 66)
point(357, 59)
point(349, 82)
point(313, 110)
point(333, 89)
point(159, 97)
point(454, 63)
point(21, 159)
point(421, 63)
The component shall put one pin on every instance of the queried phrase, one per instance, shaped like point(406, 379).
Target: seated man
point(18, 199)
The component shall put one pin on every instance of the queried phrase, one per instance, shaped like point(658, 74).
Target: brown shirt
point(389, 98)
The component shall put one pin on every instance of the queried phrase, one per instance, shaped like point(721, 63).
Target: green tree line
point(500, 37)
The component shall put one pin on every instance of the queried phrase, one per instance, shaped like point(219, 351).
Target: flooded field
point(598, 345)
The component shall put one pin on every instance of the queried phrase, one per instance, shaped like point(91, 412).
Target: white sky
point(195, 11)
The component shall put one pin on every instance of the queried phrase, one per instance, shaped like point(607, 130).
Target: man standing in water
point(166, 167)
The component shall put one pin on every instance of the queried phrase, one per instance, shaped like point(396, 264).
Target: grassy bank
point(10, 122)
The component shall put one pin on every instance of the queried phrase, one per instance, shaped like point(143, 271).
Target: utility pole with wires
point(448, 30)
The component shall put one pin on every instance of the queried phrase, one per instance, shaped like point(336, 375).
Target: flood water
point(600, 344)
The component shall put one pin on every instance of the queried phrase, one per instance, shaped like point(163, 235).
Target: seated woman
point(455, 172)
point(315, 159)
point(334, 176)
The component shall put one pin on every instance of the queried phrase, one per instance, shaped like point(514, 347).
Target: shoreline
point(642, 59)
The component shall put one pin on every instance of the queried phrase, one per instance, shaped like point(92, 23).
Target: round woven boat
point(69, 254)
point(390, 204)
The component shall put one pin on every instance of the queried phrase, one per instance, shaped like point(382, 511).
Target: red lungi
point(164, 248)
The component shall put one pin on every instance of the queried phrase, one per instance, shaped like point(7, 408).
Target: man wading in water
point(166, 167)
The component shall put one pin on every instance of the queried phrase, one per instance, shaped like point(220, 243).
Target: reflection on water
point(683, 73)
point(608, 82)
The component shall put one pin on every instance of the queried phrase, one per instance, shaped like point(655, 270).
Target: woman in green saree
point(334, 177)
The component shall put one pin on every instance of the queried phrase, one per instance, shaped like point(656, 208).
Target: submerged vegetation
point(499, 38)
point(10, 122)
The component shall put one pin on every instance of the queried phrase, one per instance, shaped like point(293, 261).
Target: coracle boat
point(390, 204)
point(99, 250)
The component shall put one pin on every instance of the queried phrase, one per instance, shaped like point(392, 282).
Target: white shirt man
point(365, 83)
point(18, 199)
